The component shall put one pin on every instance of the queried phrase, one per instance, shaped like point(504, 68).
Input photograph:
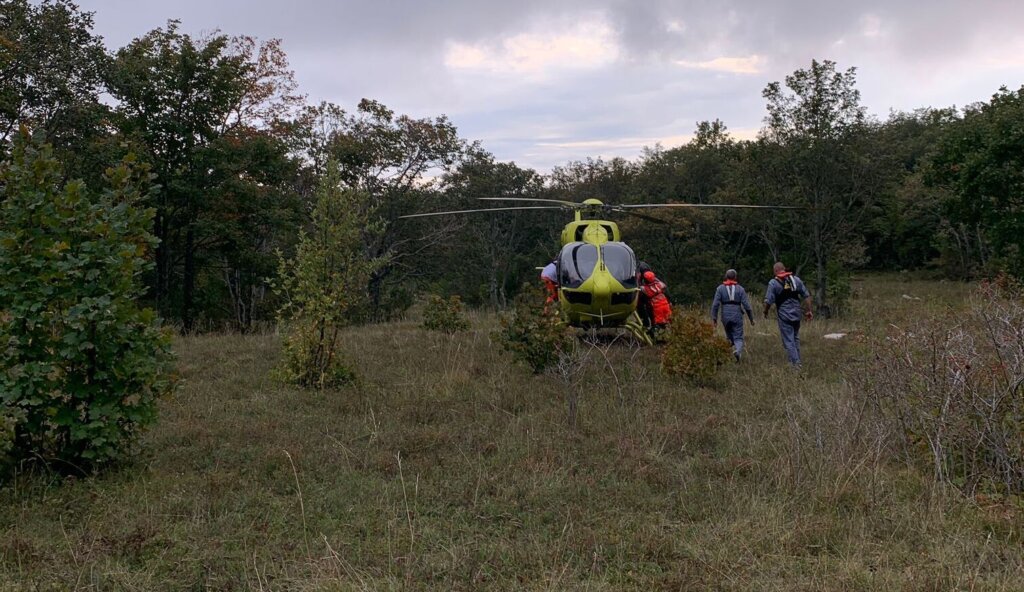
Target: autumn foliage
point(692, 350)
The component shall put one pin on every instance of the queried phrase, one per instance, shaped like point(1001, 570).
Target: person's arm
point(769, 298)
point(715, 304)
point(808, 305)
point(747, 307)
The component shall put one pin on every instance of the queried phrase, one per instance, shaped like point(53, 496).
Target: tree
point(388, 157)
point(190, 105)
point(817, 142)
point(981, 161)
point(489, 257)
point(324, 286)
point(50, 79)
point(691, 251)
point(253, 210)
point(906, 222)
point(82, 365)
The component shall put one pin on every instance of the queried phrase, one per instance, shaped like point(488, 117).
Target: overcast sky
point(543, 82)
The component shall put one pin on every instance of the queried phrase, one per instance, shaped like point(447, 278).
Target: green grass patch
point(448, 467)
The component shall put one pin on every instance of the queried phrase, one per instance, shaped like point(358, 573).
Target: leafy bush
point(692, 350)
point(8, 424)
point(840, 292)
point(444, 315)
point(951, 383)
point(324, 287)
point(534, 333)
point(81, 364)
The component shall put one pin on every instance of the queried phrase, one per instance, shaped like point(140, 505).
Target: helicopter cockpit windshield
point(576, 264)
point(621, 263)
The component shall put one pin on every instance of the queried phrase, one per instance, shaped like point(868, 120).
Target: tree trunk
point(188, 285)
point(821, 287)
point(493, 288)
point(162, 259)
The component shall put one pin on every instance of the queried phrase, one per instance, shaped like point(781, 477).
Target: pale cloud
point(871, 26)
point(587, 45)
point(615, 145)
point(635, 144)
point(542, 82)
point(745, 65)
point(1010, 55)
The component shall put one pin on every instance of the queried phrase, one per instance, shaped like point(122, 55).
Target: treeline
point(235, 155)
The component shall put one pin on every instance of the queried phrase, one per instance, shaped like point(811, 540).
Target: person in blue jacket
point(732, 300)
point(792, 302)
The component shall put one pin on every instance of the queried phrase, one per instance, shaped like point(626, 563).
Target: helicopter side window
point(576, 264)
point(621, 263)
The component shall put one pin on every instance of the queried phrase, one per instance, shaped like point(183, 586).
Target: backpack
point(790, 289)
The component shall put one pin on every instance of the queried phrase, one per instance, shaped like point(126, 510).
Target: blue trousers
point(790, 332)
point(734, 333)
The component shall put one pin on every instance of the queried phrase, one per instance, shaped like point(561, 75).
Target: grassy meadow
point(449, 468)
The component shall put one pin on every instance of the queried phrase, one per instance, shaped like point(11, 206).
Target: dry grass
point(448, 468)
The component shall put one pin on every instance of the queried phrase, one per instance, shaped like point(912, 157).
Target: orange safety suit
point(655, 293)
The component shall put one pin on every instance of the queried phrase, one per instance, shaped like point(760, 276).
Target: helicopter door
point(576, 264)
point(621, 263)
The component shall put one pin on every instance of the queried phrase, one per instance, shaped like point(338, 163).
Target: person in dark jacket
point(643, 307)
point(791, 298)
point(731, 299)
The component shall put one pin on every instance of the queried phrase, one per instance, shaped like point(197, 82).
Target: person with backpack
point(792, 302)
point(731, 299)
point(661, 309)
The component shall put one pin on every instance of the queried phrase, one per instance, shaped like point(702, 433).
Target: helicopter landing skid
point(632, 326)
point(638, 330)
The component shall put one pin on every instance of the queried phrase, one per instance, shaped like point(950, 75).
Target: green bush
point(533, 332)
point(444, 315)
point(81, 364)
point(692, 350)
point(324, 286)
point(8, 424)
point(840, 291)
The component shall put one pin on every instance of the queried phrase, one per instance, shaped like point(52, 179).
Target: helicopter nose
point(602, 290)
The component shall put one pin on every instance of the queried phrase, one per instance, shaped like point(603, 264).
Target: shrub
point(8, 425)
point(444, 315)
point(533, 332)
point(692, 350)
point(951, 383)
point(324, 286)
point(840, 292)
point(81, 364)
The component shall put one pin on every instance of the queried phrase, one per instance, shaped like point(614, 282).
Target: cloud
point(870, 26)
point(748, 65)
point(587, 45)
point(542, 82)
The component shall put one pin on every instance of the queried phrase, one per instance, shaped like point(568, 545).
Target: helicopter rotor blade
point(481, 210)
point(569, 204)
point(643, 217)
point(700, 205)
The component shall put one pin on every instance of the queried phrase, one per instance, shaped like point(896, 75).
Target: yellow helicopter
point(598, 274)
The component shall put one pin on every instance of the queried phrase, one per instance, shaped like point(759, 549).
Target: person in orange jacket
point(654, 290)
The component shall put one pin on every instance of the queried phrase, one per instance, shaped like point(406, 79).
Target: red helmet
point(649, 276)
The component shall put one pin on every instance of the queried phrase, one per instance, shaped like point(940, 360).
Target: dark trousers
point(734, 333)
point(790, 332)
point(646, 311)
